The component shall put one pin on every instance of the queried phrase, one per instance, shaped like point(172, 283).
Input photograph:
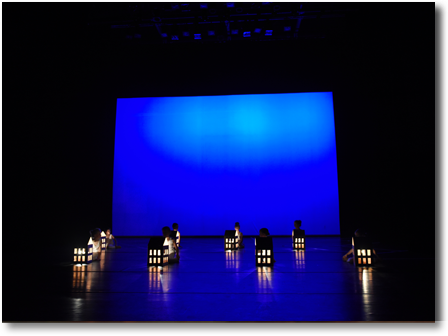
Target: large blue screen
point(207, 162)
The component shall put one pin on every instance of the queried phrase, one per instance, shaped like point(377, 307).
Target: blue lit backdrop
point(207, 162)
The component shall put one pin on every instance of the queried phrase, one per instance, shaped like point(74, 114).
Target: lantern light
point(362, 247)
point(264, 251)
point(230, 240)
point(298, 240)
point(79, 277)
point(157, 252)
point(83, 255)
point(80, 255)
point(103, 241)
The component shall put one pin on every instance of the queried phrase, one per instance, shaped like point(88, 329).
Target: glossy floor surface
point(210, 284)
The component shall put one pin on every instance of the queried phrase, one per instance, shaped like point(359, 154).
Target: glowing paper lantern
point(230, 240)
point(157, 252)
point(298, 240)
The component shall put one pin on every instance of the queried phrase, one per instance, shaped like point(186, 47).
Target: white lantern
point(80, 256)
point(103, 241)
point(89, 251)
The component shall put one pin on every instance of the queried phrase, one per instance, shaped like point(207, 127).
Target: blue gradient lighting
point(207, 162)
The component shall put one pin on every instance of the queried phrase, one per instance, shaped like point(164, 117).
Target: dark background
point(60, 87)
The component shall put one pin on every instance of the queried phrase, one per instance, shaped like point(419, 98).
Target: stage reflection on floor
point(210, 284)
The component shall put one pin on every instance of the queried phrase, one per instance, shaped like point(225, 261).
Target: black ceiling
point(217, 22)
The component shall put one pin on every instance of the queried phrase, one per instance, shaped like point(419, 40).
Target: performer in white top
point(96, 238)
point(173, 250)
point(111, 242)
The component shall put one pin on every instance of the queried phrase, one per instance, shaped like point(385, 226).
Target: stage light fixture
point(157, 252)
point(268, 32)
point(246, 34)
point(197, 36)
point(264, 251)
point(298, 241)
point(230, 240)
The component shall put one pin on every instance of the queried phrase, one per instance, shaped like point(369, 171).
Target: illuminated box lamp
point(80, 255)
point(83, 255)
point(298, 240)
point(264, 251)
point(103, 241)
point(157, 252)
point(230, 240)
point(362, 251)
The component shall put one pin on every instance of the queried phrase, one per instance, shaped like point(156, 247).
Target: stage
point(210, 284)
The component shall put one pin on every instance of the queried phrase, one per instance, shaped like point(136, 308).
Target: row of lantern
point(362, 248)
point(84, 255)
point(158, 252)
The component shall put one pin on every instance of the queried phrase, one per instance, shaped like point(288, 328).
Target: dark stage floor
point(212, 285)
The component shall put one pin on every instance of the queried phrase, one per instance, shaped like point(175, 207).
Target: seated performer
point(358, 233)
point(176, 228)
point(239, 234)
point(111, 242)
point(96, 238)
point(173, 250)
point(297, 225)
